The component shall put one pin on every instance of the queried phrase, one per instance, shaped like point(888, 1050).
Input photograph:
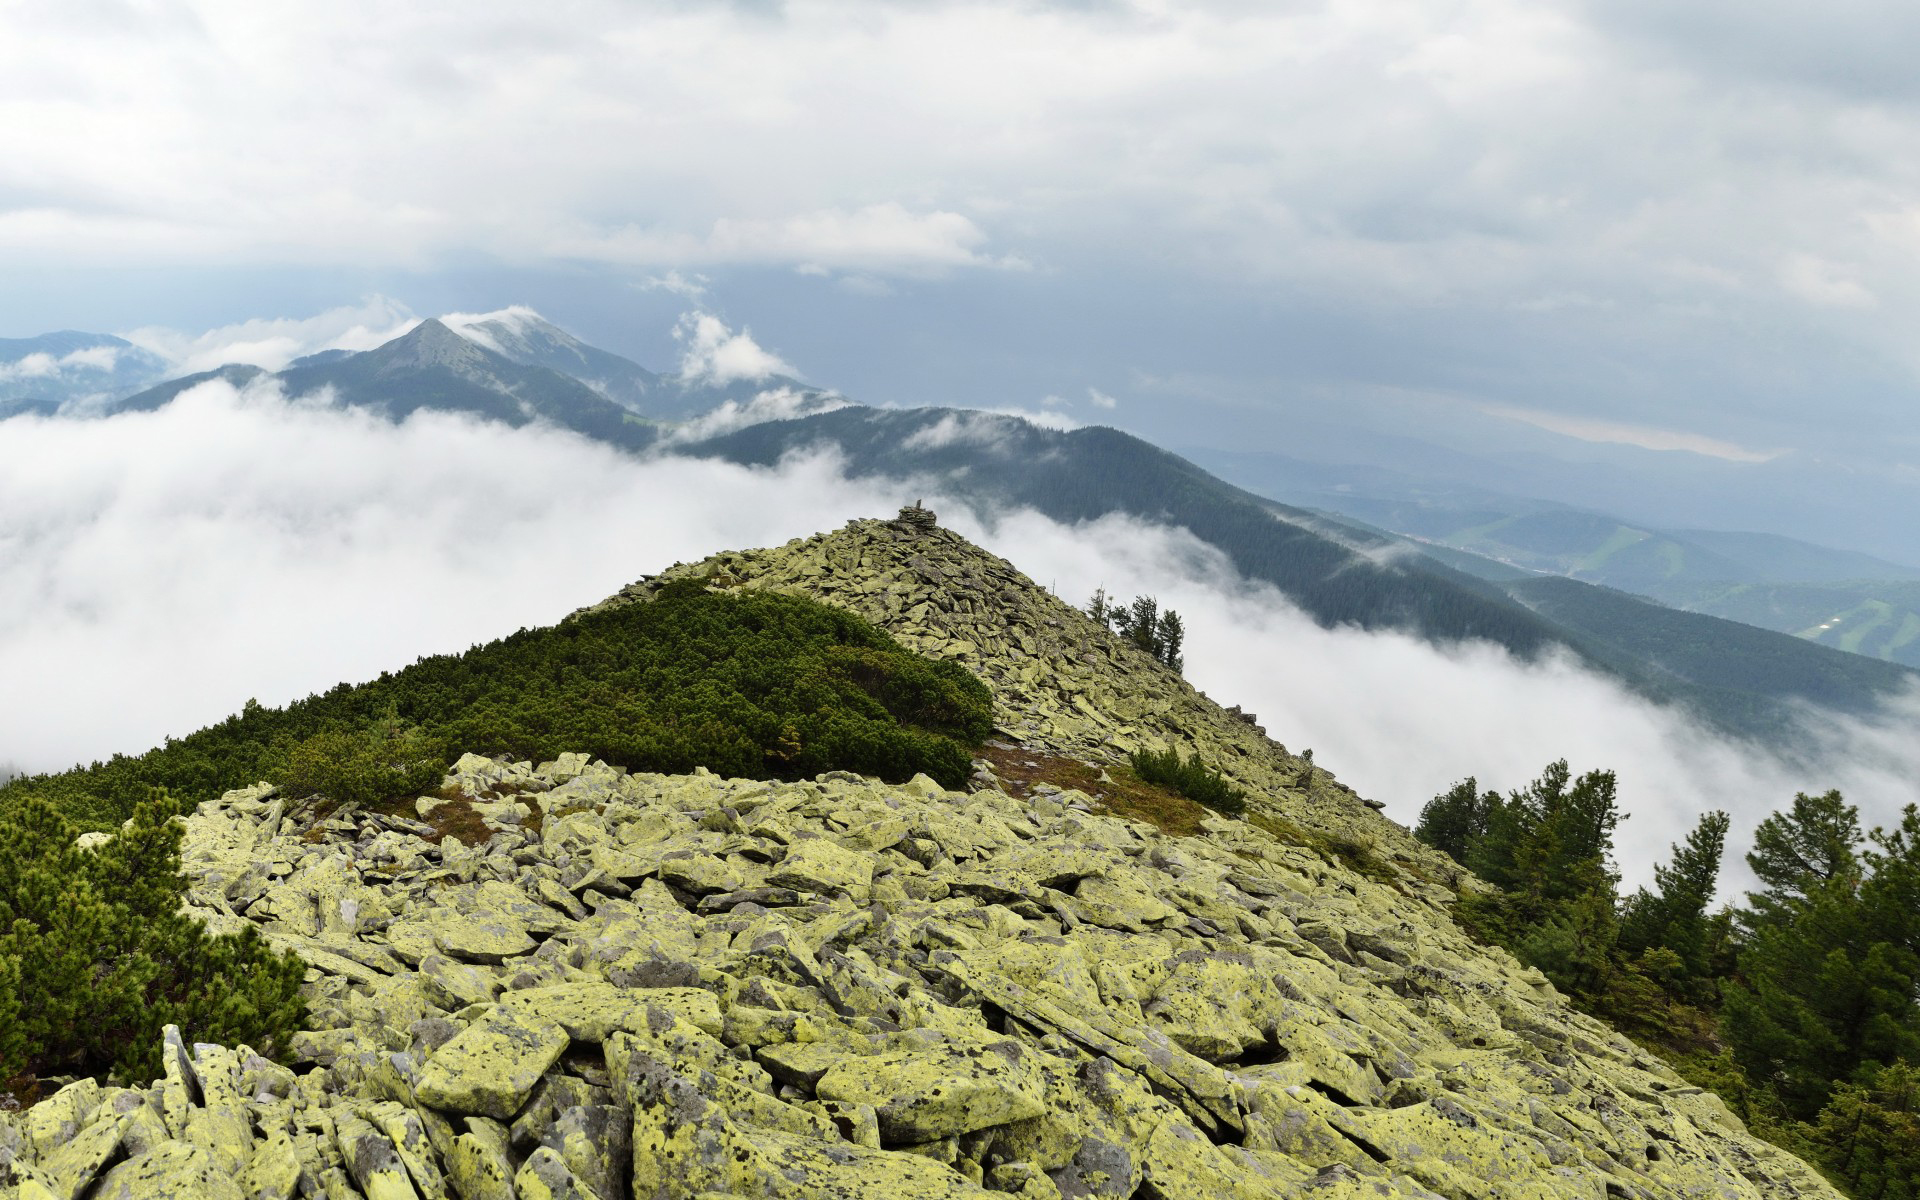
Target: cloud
point(686, 286)
point(880, 238)
point(777, 404)
point(42, 365)
point(1100, 399)
point(992, 428)
point(1646, 437)
point(163, 567)
point(273, 342)
point(714, 354)
point(1400, 720)
point(515, 318)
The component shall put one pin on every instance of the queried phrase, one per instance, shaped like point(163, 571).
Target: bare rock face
point(681, 987)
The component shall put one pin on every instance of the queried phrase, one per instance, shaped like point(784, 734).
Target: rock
point(546, 1176)
point(590, 1010)
point(484, 939)
point(173, 1171)
point(371, 1159)
point(815, 864)
point(492, 1065)
point(73, 1165)
point(454, 985)
point(479, 1169)
point(941, 1091)
point(274, 1172)
point(596, 1143)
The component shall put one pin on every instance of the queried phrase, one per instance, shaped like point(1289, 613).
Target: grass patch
point(1121, 793)
point(1357, 856)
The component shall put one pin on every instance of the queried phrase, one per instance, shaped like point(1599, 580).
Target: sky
point(1656, 259)
point(165, 567)
point(1670, 245)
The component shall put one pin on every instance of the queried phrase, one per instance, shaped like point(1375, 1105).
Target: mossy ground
point(1115, 790)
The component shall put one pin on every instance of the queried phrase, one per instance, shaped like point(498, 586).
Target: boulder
point(491, 1067)
point(924, 1094)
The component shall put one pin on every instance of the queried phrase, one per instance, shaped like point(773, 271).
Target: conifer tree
point(1674, 915)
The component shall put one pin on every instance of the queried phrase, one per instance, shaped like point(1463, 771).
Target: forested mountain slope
point(1337, 573)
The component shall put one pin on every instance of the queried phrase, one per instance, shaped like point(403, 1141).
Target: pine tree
point(1455, 819)
point(1675, 915)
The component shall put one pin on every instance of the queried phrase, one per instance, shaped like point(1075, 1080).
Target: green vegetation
point(1802, 1009)
point(1160, 634)
point(757, 685)
point(96, 956)
point(1190, 778)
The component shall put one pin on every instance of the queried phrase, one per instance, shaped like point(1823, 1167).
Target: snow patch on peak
point(516, 320)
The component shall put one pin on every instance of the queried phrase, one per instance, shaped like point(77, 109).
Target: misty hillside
point(1741, 679)
point(514, 367)
point(42, 373)
point(405, 973)
point(1840, 598)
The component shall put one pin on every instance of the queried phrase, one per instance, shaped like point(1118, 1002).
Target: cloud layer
point(164, 567)
point(1692, 228)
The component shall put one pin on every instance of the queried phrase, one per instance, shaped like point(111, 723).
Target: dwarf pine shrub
point(1192, 779)
point(96, 954)
point(752, 684)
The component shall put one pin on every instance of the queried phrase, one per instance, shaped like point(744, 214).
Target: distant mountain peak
point(432, 344)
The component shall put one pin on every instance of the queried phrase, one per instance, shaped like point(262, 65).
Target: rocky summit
point(567, 980)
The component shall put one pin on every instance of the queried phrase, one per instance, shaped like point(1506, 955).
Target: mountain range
point(1382, 552)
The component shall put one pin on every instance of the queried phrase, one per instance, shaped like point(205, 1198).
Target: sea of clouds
point(162, 568)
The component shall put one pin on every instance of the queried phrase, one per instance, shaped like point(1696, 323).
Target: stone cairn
point(921, 520)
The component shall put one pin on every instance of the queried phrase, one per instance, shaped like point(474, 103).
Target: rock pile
point(680, 987)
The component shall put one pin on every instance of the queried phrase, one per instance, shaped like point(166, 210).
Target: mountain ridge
point(617, 984)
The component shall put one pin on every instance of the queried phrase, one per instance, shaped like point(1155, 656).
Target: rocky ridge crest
point(1061, 682)
point(680, 987)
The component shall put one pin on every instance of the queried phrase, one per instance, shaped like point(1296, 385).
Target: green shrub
point(96, 956)
point(363, 766)
point(1192, 779)
point(748, 684)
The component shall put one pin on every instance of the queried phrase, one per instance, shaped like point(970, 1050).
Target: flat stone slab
point(489, 1068)
point(818, 864)
point(925, 1095)
point(490, 938)
point(592, 1010)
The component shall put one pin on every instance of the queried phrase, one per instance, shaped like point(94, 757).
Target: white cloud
point(686, 286)
point(714, 354)
point(993, 428)
point(273, 342)
point(42, 365)
point(1588, 429)
point(878, 238)
point(163, 567)
point(776, 404)
point(1100, 399)
point(1400, 720)
point(1823, 283)
point(516, 318)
